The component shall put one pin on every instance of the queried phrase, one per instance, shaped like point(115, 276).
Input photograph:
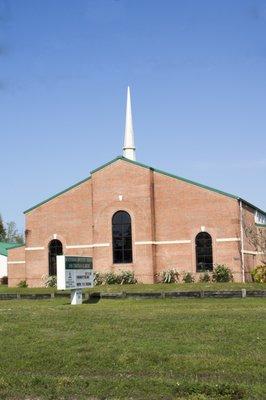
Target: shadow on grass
point(87, 301)
point(91, 300)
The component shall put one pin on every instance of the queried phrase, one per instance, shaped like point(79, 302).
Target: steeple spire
point(129, 147)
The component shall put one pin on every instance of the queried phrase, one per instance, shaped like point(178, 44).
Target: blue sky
point(197, 71)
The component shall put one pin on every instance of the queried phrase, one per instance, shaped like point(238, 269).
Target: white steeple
point(129, 147)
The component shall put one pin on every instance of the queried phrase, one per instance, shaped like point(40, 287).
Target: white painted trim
point(34, 248)
point(254, 253)
point(228, 240)
point(16, 262)
point(145, 242)
point(79, 246)
point(87, 246)
point(163, 242)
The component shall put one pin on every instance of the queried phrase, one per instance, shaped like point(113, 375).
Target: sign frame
point(74, 273)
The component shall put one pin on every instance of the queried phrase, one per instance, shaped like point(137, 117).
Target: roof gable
point(152, 169)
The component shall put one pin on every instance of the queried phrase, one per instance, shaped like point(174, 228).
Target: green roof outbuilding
point(4, 246)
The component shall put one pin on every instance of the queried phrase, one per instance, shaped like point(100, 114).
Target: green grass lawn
point(196, 349)
point(144, 287)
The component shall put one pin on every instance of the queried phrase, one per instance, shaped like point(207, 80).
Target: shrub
point(127, 278)
point(4, 280)
point(188, 278)
point(23, 284)
point(259, 274)
point(205, 277)
point(170, 276)
point(222, 273)
point(98, 279)
point(111, 278)
point(50, 281)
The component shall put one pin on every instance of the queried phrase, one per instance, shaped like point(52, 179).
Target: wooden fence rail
point(222, 294)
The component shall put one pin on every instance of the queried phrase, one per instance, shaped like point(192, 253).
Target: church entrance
point(55, 249)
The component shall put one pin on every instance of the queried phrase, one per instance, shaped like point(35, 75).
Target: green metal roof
point(5, 246)
point(152, 169)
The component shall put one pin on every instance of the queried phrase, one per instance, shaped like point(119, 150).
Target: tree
point(9, 232)
point(2, 230)
point(257, 238)
point(12, 233)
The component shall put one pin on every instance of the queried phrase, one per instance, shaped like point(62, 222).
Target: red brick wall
point(134, 184)
point(181, 209)
point(16, 267)
point(162, 209)
point(69, 217)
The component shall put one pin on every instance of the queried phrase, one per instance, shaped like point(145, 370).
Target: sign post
point(74, 273)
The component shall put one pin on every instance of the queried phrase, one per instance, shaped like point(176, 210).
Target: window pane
point(126, 218)
point(203, 252)
point(55, 249)
point(118, 244)
point(122, 237)
point(127, 256)
point(117, 218)
point(118, 258)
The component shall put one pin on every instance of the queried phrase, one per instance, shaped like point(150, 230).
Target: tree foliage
point(2, 230)
point(257, 238)
point(9, 232)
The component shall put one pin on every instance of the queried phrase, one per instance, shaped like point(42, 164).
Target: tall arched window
point(204, 252)
point(55, 249)
point(122, 238)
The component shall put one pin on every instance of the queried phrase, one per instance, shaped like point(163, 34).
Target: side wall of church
point(16, 267)
point(182, 210)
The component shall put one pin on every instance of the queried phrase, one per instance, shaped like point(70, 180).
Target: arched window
point(55, 249)
point(204, 252)
point(122, 238)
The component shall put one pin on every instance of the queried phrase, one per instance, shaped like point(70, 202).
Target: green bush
point(222, 273)
point(98, 279)
point(259, 274)
point(205, 277)
point(122, 278)
point(4, 280)
point(111, 278)
point(49, 281)
point(127, 278)
point(23, 284)
point(169, 276)
point(188, 278)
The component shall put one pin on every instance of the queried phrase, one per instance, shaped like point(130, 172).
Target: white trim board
point(254, 253)
point(163, 242)
point(87, 246)
point(228, 239)
point(16, 262)
point(34, 248)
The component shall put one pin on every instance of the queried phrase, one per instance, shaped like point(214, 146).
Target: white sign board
point(74, 272)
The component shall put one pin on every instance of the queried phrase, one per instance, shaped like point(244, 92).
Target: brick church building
point(130, 216)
